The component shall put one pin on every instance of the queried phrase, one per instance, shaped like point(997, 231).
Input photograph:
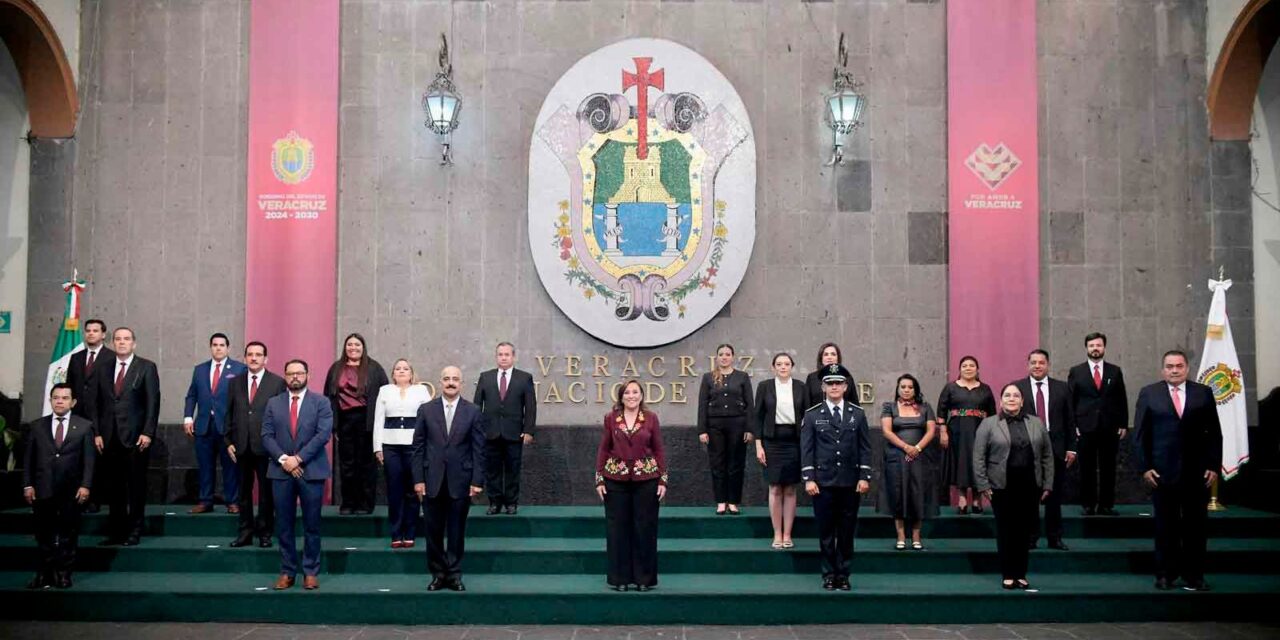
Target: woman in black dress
point(909, 491)
point(724, 400)
point(780, 405)
point(963, 404)
point(828, 354)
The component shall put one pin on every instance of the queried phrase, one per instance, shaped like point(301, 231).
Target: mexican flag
point(68, 341)
point(1220, 370)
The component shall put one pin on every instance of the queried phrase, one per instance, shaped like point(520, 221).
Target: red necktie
point(1040, 404)
point(1177, 400)
point(88, 365)
point(293, 418)
point(120, 380)
point(217, 375)
point(502, 386)
point(1097, 376)
point(61, 433)
point(253, 388)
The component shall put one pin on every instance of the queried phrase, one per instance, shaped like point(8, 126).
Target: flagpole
point(1214, 504)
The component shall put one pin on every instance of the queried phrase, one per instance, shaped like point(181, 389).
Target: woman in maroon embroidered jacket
point(631, 479)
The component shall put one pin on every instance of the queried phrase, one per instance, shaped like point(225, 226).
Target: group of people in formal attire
point(441, 453)
point(1010, 451)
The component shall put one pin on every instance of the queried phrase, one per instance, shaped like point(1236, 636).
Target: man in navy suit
point(295, 429)
point(205, 419)
point(56, 477)
point(1177, 442)
point(448, 470)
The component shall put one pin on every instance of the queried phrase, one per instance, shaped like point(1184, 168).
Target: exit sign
point(6, 318)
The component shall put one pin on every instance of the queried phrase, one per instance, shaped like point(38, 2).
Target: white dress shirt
point(390, 405)
point(126, 363)
point(66, 425)
point(785, 412)
point(1043, 388)
point(301, 395)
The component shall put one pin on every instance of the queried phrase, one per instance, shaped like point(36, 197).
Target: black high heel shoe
point(1008, 585)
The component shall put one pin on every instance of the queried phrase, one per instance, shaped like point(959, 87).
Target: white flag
point(1220, 370)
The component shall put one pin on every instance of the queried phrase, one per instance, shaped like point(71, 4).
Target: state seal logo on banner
point(642, 179)
point(1224, 381)
point(292, 158)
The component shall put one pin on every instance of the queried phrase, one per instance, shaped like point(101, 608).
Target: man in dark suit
point(57, 473)
point(128, 408)
point(1101, 408)
point(835, 464)
point(448, 468)
point(506, 396)
point(246, 403)
point(1177, 443)
point(1050, 400)
point(295, 429)
point(83, 371)
point(205, 420)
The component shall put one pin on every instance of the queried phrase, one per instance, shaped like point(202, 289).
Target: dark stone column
point(1231, 221)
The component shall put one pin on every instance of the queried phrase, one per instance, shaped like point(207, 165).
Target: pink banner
point(993, 183)
point(292, 224)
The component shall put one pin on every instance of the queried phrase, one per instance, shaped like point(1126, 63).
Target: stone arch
point(47, 81)
point(1234, 85)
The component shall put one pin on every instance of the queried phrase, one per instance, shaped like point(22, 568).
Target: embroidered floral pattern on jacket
point(616, 467)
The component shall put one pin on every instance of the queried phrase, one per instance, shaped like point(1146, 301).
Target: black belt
point(399, 423)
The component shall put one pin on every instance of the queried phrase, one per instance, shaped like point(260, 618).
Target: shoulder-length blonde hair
point(413, 375)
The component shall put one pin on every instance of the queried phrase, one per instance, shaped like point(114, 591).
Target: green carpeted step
point(679, 522)
point(741, 599)
point(191, 554)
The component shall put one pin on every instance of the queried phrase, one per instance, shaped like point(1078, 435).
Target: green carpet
point(546, 566)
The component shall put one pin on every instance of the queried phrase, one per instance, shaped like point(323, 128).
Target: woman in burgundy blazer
point(631, 479)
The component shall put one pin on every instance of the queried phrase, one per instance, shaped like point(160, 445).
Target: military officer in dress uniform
point(835, 464)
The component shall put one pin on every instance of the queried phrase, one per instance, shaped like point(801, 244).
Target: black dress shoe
point(436, 584)
point(345, 511)
point(1107, 511)
point(242, 541)
point(1163, 584)
point(62, 580)
point(1088, 511)
point(39, 581)
point(1197, 585)
point(1059, 545)
point(844, 585)
point(457, 585)
point(643, 587)
point(493, 509)
point(131, 541)
point(1008, 585)
point(1022, 584)
point(511, 509)
point(618, 587)
point(829, 584)
point(265, 543)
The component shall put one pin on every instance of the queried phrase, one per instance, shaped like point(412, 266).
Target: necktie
point(217, 375)
point(253, 388)
point(293, 418)
point(61, 433)
point(88, 363)
point(835, 412)
point(502, 386)
point(1097, 376)
point(448, 420)
point(1040, 404)
point(120, 380)
point(1177, 400)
